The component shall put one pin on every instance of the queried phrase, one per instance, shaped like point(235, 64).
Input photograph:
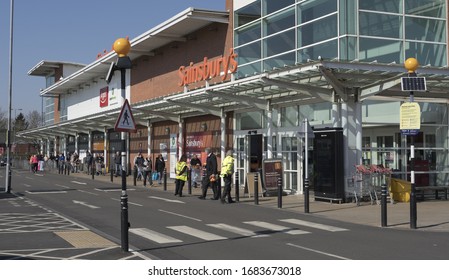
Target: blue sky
point(72, 31)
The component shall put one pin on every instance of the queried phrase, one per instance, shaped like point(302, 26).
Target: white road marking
point(197, 233)
point(85, 204)
point(115, 199)
point(237, 230)
point(88, 192)
point(274, 227)
point(79, 183)
point(180, 215)
point(26, 185)
point(62, 186)
point(313, 225)
point(167, 200)
point(317, 251)
point(154, 236)
point(45, 192)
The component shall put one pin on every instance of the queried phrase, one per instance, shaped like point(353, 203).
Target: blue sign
point(409, 131)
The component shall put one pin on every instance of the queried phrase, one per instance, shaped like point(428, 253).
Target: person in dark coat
point(159, 166)
point(211, 174)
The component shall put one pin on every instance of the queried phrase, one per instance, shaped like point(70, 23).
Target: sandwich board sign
point(125, 121)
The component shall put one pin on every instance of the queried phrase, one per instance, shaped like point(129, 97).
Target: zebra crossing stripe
point(313, 225)
point(237, 230)
point(154, 236)
point(275, 227)
point(197, 233)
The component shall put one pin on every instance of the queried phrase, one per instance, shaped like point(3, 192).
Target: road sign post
point(410, 124)
point(125, 123)
point(306, 132)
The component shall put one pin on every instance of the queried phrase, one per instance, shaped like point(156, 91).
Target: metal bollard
point(93, 171)
point(383, 204)
point(111, 169)
point(69, 167)
point(280, 192)
point(189, 180)
point(165, 179)
point(135, 176)
point(237, 182)
point(256, 188)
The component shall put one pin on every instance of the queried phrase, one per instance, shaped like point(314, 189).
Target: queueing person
point(159, 167)
point(227, 169)
point(195, 171)
point(209, 179)
point(118, 164)
point(181, 174)
point(147, 170)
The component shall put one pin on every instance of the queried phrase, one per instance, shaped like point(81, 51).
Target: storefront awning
point(313, 82)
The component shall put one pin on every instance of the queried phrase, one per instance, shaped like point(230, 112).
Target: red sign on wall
point(104, 97)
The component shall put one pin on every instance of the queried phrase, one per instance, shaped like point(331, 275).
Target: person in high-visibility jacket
point(227, 169)
point(181, 174)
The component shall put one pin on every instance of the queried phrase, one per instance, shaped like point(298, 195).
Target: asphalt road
point(164, 226)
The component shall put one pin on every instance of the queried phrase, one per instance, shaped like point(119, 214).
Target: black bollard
point(165, 179)
point(280, 192)
point(306, 195)
point(189, 180)
point(69, 167)
point(111, 169)
point(383, 203)
point(93, 170)
point(237, 195)
point(256, 188)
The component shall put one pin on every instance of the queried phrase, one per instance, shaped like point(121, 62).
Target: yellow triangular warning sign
point(125, 121)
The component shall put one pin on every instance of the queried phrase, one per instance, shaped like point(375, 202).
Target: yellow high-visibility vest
point(227, 166)
point(179, 167)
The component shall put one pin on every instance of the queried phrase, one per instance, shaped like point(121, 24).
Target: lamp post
point(8, 133)
point(122, 47)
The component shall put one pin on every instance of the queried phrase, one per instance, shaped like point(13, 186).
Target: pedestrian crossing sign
point(125, 121)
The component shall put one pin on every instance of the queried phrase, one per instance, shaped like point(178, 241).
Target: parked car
point(3, 161)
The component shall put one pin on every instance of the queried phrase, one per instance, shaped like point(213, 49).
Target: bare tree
point(3, 120)
point(34, 119)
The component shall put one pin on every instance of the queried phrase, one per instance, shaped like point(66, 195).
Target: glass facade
point(271, 34)
point(276, 33)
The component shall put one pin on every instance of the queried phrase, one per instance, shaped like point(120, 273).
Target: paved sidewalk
point(432, 214)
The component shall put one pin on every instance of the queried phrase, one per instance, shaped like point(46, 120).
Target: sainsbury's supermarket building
point(261, 67)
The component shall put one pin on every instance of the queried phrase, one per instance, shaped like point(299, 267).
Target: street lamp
point(8, 136)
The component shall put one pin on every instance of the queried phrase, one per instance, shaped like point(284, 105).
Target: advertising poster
point(196, 143)
point(173, 157)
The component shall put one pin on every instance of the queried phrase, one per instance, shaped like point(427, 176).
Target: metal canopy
point(314, 82)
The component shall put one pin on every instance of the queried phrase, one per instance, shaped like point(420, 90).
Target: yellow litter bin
point(400, 190)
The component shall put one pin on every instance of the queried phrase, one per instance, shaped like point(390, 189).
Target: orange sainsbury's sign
point(208, 69)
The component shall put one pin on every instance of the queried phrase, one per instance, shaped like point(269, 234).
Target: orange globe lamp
point(411, 64)
point(121, 46)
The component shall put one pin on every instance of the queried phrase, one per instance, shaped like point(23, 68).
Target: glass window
point(327, 50)
point(249, 70)
point(248, 13)
point(382, 25)
point(248, 34)
point(348, 47)
point(425, 29)
point(348, 17)
point(318, 112)
point(49, 80)
point(314, 9)
point(249, 53)
point(391, 6)
point(433, 113)
point(271, 6)
point(289, 116)
point(279, 22)
point(249, 120)
point(317, 31)
point(385, 51)
point(280, 61)
point(280, 43)
point(429, 8)
point(433, 54)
